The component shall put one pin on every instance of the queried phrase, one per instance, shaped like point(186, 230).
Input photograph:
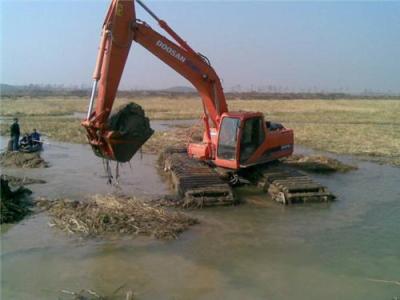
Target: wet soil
point(318, 164)
point(14, 204)
point(15, 159)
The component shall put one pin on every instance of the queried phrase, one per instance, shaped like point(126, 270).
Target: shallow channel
point(257, 250)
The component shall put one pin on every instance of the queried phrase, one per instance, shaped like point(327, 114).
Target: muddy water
point(259, 250)
point(76, 172)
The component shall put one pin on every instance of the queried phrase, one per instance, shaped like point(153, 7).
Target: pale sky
point(298, 46)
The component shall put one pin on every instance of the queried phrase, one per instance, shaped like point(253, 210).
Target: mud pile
point(19, 181)
point(130, 130)
point(175, 201)
point(22, 160)
point(14, 205)
point(177, 138)
point(318, 164)
point(130, 122)
point(105, 215)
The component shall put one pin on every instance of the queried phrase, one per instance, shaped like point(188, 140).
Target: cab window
point(252, 137)
point(227, 140)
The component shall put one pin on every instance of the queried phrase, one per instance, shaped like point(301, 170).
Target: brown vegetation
point(318, 164)
point(22, 160)
point(368, 128)
point(176, 137)
point(86, 294)
point(105, 215)
point(19, 181)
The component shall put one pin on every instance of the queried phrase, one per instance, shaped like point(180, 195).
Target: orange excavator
point(231, 140)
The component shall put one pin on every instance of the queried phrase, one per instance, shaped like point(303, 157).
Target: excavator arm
point(119, 30)
point(189, 64)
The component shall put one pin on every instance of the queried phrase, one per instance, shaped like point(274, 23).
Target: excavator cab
point(240, 135)
point(245, 140)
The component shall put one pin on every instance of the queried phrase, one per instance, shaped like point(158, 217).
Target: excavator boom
point(120, 28)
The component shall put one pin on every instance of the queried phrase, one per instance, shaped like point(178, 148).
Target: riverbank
point(367, 128)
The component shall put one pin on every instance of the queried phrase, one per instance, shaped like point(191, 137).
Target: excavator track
point(289, 186)
point(199, 185)
point(196, 182)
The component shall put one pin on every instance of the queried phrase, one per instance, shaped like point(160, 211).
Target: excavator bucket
point(127, 130)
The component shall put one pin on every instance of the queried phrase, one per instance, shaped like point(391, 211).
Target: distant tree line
point(57, 91)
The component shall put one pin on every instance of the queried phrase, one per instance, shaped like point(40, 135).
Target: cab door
point(228, 139)
point(252, 137)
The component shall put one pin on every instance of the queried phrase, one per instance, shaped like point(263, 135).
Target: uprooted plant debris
point(81, 295)
point(22, 160)
point(14, 204)
point(87, 294)
point(20, 181)
point(177, 137)
point(175, 201)
point(318, 164)
point(104, 215)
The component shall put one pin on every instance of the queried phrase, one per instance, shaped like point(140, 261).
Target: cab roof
point(242, 114)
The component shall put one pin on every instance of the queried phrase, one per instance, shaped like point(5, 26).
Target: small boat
point(31, 147)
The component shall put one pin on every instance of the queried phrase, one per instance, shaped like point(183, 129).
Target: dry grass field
point(369, 128)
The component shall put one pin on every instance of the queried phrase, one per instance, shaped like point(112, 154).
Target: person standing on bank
point(14, 131)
